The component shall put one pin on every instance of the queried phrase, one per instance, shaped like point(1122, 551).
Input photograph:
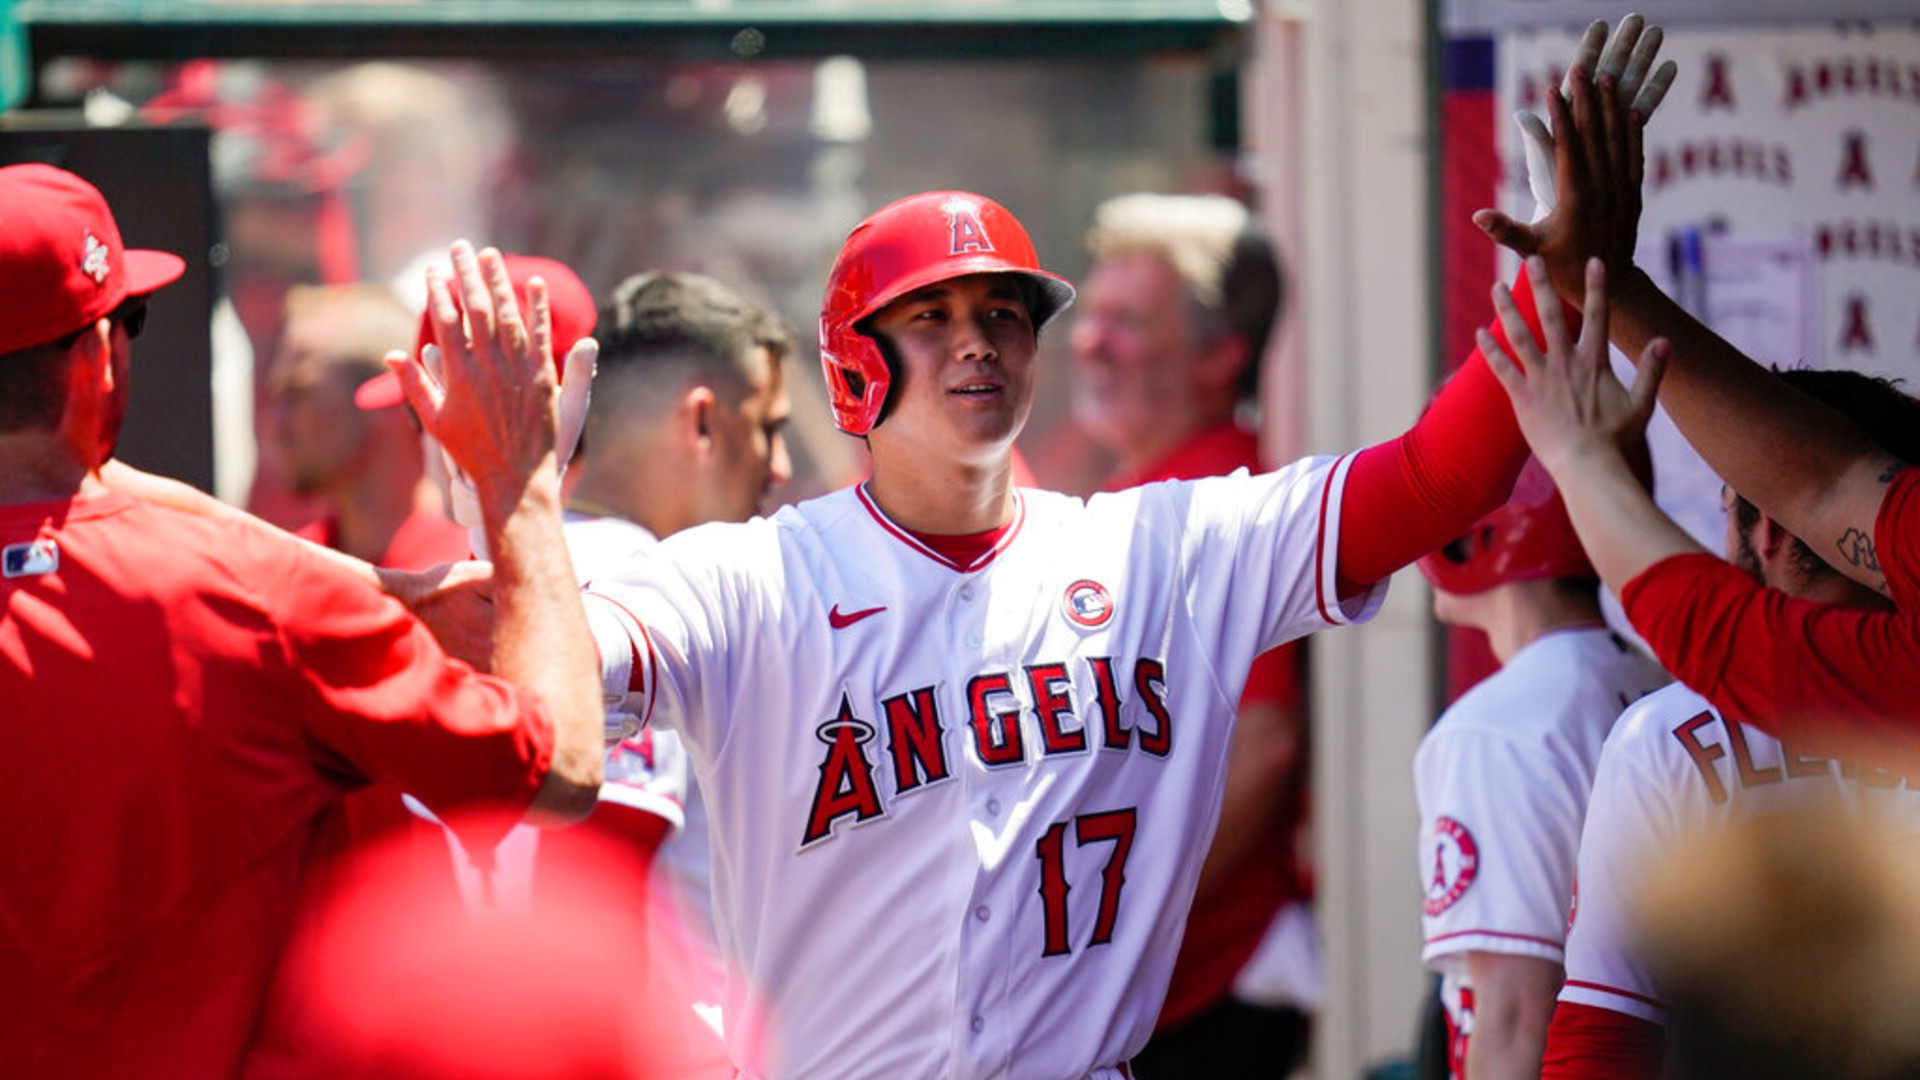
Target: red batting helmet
point(1528, 539)
point(909, 245)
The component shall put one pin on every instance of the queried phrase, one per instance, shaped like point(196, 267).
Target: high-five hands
point(1585, 174)
point(487, 319)
point(1569, 404)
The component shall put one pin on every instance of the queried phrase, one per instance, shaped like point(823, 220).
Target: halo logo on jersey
point(963, 217)
point(1087, 604)
point(1456, 859)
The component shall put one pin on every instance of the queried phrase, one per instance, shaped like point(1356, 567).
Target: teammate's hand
point(576, 390)
point(492, 403)
point(1565, 395)
point(455, 601)
point(1602, 138)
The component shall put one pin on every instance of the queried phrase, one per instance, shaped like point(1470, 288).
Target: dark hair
point(689, 317)
point(1254, 291)
point(1875, 405)
point(663, 327)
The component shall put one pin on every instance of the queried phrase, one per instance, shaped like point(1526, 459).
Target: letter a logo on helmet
point(911, 244)
point(967, 232)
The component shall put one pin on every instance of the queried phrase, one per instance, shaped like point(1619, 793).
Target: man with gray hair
point(1176, 313)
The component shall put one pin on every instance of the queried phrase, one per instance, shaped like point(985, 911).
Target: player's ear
point(1770, 542)
point(91, 378)
point(696, 415)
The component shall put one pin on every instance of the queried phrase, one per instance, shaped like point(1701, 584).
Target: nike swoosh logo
point(841, 621)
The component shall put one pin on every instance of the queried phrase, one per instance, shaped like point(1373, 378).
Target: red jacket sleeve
point(1835, 681)
point(384, 703)
point(1589, 1043)
point(1456, 465)
point(1897, 539)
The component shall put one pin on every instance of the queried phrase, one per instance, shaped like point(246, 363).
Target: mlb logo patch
point(1087, 603)
point(31, 559)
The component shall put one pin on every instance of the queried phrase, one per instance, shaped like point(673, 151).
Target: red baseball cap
point(62, 265)
point(567, 297)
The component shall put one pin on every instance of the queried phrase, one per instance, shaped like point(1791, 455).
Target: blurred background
point(281, 143)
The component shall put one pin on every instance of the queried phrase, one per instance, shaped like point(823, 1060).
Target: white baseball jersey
point(958, 810)
point(1672, 768)
point(1502, 781)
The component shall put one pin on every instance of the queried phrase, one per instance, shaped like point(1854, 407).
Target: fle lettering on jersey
point(963, 217)
point(1456, 861)
point(1001, 708)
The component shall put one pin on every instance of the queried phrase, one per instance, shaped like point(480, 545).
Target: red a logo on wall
point(1854, 170)
point(1719, 85)
point(1859, 331)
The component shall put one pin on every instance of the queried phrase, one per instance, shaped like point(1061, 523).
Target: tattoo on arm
point(1856, 547)
point(1892, 471)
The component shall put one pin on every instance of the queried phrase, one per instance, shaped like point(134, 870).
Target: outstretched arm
point(1577, 416)
point(1836, 681)
point(1458, 463)
point(1830, 489)
point(494, 405)
point(453, 600)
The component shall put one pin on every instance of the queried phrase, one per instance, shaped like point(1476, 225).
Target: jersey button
point(979, 1025)
point(982, 913)
point(993, 807)
point(966, 592)
point(975, 640)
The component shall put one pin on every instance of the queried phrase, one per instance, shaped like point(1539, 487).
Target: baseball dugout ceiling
point(681, 29)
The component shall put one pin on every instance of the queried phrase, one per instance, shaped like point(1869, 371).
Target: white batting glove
point(576, 391)
point(1628, 55)
point(621, 725)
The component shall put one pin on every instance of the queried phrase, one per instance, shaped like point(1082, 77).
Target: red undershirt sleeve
point(1589, 1043)
point(1457, 464)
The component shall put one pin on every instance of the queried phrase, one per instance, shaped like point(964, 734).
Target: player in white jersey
point(962, 744)
point(1502, 778)
point(1674, 766)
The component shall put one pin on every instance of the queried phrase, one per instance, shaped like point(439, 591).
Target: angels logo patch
point(1087, 604)
point(1456, 859)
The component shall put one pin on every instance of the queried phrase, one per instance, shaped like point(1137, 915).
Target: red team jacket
point(184, 701)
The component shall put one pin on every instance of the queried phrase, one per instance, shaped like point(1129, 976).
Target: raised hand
point(1565, 396)
point(1586, 183)
point(487, 391)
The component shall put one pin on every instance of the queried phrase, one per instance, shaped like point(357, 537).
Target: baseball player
point(1676, 766)
point(1172, 324)
point(1503, 776)
point(366, 468)
point(962, 743)
point(1836, 682)
point(186, 698)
